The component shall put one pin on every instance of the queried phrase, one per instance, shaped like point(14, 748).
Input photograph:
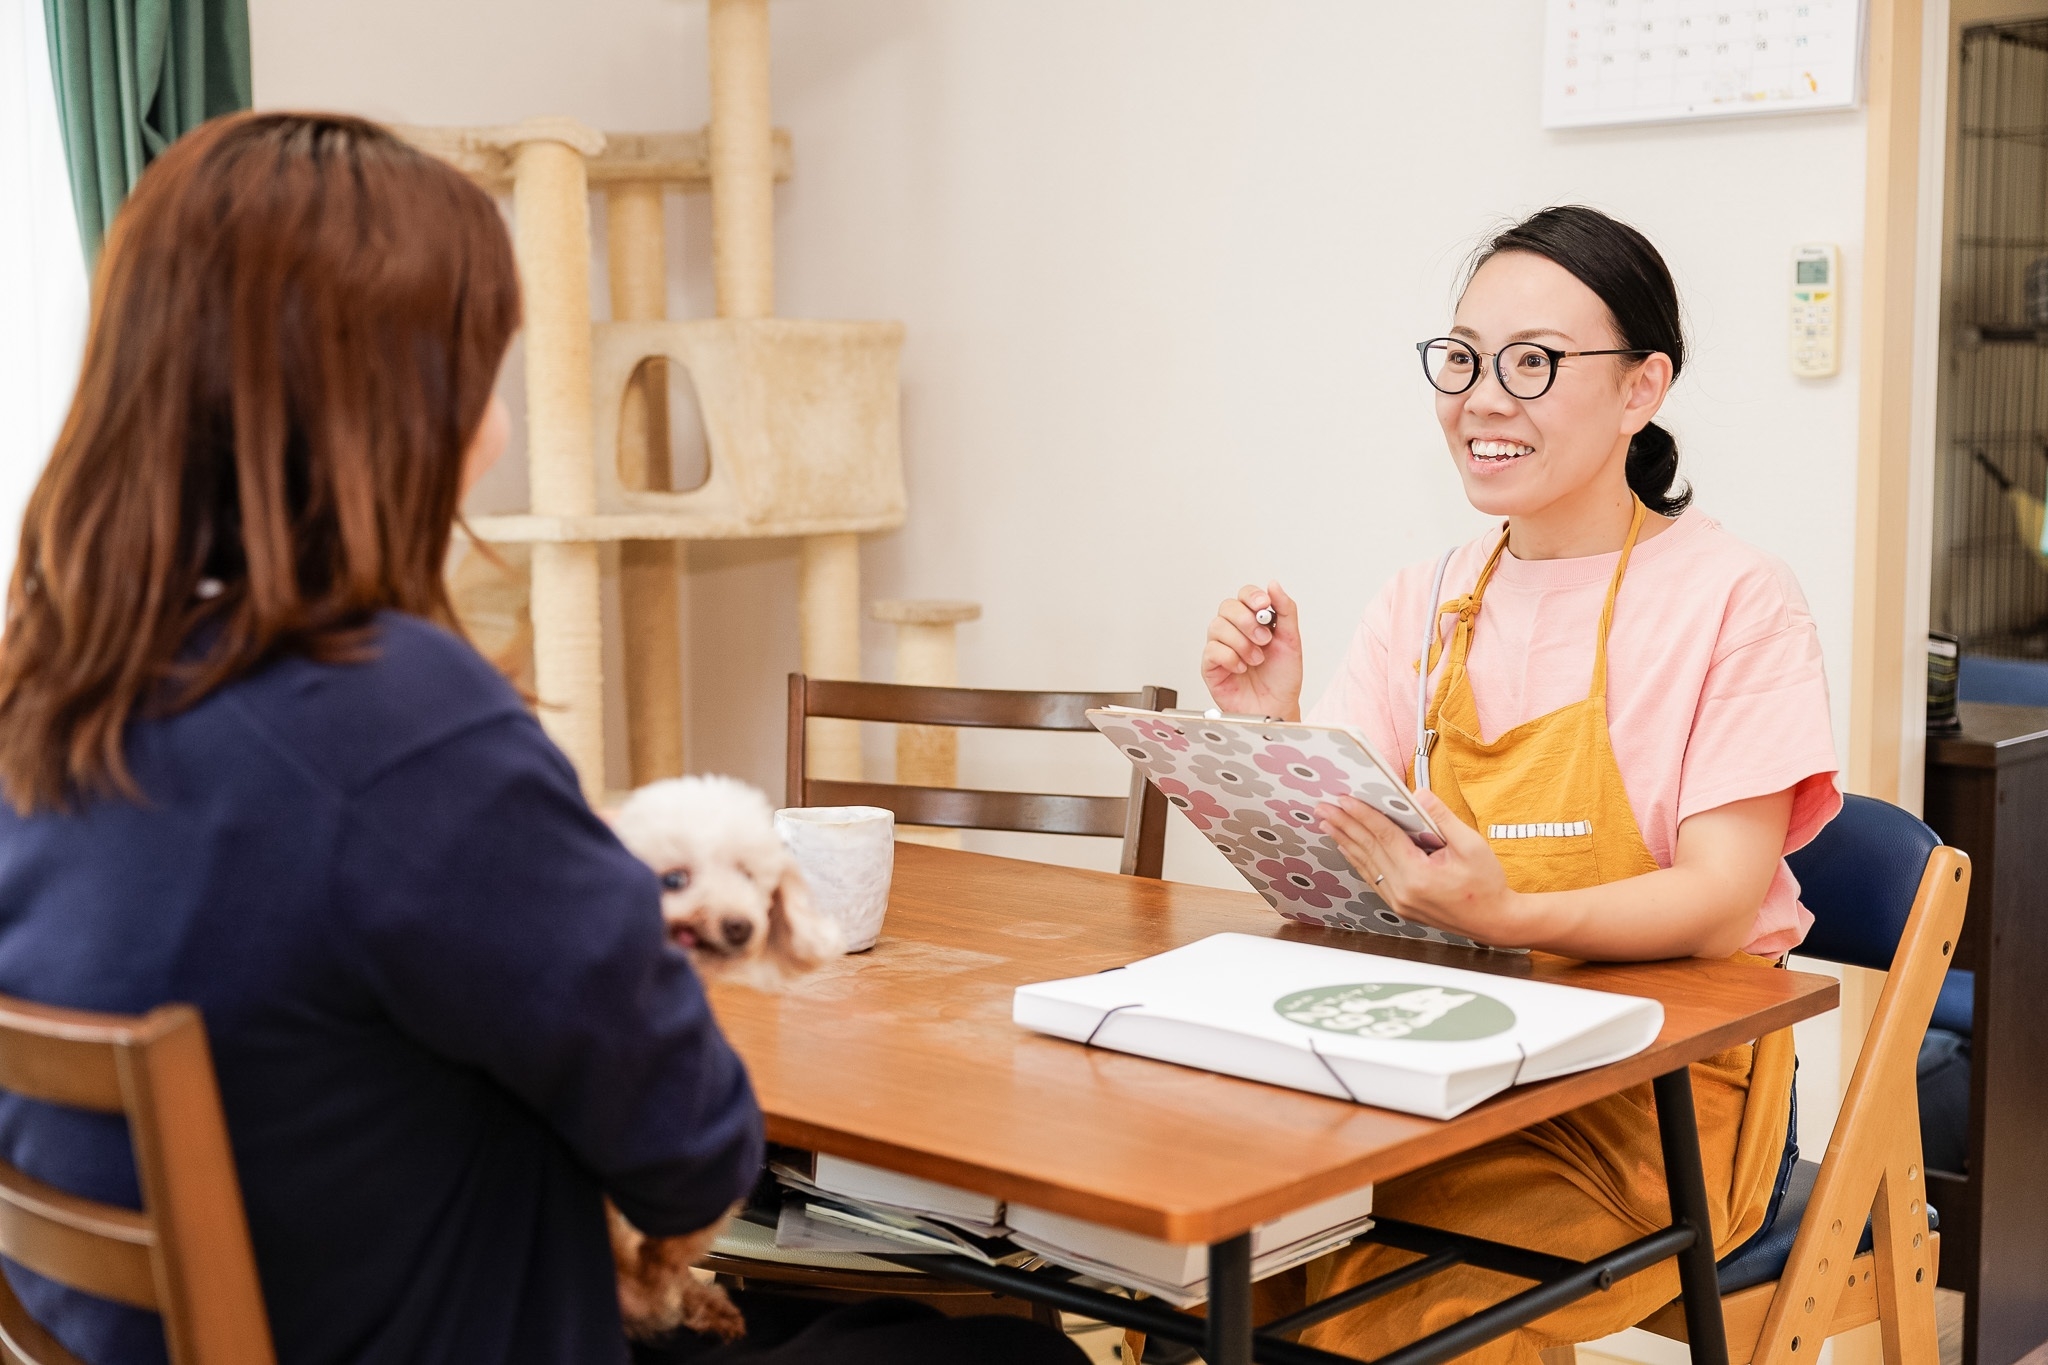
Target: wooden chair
point(1139, 819)
point(1885, 894)
point(186, 1255)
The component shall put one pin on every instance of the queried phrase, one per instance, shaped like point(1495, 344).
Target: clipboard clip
point(1214, 714)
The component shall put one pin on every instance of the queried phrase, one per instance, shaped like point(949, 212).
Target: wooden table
point(905, 1057)
point(1987, 794)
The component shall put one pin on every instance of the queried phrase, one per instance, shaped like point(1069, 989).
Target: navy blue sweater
point(441, 1006)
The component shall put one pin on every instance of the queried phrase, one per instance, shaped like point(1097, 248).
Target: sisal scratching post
point(743, 270)
point(742, 161)
point(568, 655)
point(828, 615)
point(650, 604)
point(927, 655)
point(551, 212)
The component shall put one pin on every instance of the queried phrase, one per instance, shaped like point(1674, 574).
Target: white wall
point(1162, 263)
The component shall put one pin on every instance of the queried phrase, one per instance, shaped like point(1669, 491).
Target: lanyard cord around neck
point(1425, 738)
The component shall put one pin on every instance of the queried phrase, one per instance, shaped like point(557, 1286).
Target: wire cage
point(1990, 566)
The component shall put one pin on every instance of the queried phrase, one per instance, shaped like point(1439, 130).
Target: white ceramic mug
point(847, 854)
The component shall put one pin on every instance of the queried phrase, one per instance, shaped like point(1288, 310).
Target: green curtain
point(131, 76)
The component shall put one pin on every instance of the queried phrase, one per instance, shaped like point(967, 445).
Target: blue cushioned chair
point(1853, 1241)
point(1944, 1076)
point(2007, 682)
point(1958, 1002)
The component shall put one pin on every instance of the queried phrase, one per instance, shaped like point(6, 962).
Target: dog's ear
point(798, 934)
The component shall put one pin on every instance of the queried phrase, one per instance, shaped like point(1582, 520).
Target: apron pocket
point(1540, 860)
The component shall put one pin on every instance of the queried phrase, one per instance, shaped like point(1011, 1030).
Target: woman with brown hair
point(249, 762)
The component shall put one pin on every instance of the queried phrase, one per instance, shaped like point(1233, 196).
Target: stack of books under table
point(832, 1205)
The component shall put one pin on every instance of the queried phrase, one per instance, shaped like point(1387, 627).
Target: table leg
point(1699, 1282)
point(1230, 1302)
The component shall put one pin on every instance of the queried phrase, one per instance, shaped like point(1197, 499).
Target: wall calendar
point(1650, 61)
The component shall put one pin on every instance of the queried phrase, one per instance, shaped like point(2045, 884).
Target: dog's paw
point(659, 1291)
point(707, 1311)
point(651, 1302)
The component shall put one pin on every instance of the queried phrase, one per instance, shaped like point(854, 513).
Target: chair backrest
point(1139, 819)
point(186, 1255)
point(1860, 877)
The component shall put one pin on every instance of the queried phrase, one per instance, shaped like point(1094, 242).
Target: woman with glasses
point(1617, 713)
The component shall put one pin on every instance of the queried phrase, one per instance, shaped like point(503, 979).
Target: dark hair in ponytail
point(1617, 263)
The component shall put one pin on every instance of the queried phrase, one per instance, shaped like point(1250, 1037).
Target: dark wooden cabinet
point(1987, 794)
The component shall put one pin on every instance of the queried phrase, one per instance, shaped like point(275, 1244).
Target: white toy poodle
point(730, 889)
point(733, 898)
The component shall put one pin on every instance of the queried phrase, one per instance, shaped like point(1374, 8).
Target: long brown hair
point(296, 327)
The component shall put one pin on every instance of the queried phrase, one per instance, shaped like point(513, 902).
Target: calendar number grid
point(1652, 61)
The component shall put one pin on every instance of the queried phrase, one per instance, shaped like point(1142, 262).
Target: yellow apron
point(1550, 800)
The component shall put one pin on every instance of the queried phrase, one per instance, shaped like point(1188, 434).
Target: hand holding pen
point(1251, 660)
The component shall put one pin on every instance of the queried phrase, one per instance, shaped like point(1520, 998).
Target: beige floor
point(1100, 1341)
point(1948, 1322)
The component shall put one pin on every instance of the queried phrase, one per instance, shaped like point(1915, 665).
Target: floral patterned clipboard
point(1251, 788)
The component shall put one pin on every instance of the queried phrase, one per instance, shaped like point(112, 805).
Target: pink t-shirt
point(1715, 686)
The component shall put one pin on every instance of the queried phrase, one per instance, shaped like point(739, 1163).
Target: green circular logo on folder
point(1393, 1010)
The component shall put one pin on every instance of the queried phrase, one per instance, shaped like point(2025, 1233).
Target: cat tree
point(800, 417)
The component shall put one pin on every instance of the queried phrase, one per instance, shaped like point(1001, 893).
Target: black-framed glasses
point(1526, 369)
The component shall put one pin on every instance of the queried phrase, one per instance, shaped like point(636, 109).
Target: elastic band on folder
point(1089, 1041)
point(1348, 1092)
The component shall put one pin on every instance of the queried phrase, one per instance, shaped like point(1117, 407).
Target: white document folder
point(1378, 1030)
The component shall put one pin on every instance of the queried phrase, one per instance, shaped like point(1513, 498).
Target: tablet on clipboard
point(1251, 787)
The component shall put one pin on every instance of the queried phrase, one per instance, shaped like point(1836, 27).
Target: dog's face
point(730, 891)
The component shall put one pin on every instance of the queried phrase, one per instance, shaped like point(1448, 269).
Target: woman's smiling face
point(1520, 457)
